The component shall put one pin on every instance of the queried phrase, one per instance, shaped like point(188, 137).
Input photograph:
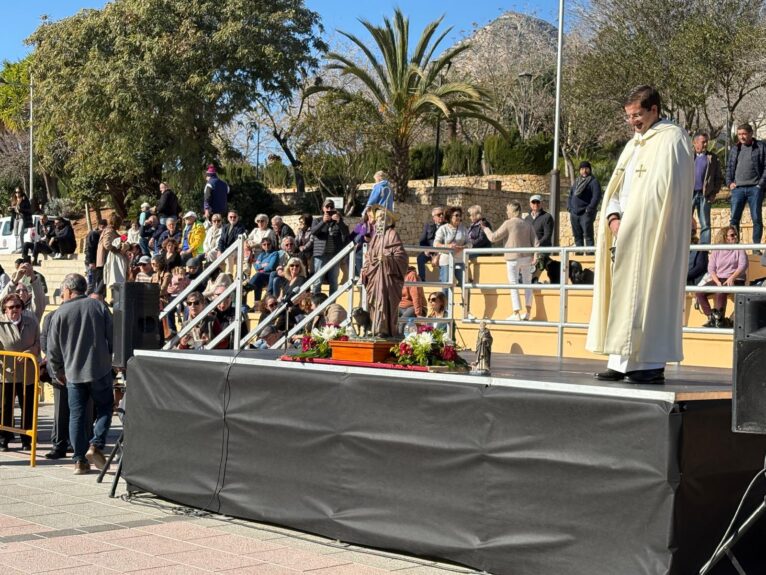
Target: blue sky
point(22, 18)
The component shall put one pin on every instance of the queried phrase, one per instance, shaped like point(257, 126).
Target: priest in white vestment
point(642, 248)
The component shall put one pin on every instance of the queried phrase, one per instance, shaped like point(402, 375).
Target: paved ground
point(54, 522)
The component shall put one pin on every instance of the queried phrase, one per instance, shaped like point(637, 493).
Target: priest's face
point(641, 119)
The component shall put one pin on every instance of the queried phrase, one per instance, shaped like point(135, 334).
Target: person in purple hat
point(216, 194)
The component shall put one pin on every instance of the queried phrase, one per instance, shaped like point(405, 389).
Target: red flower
point(424, 327)
point(449, 353)
point(307, 343)
point(343, 338)
point(405, 348)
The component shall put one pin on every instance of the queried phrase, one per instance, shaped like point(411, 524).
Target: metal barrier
point(26, 363)
point(564, 288)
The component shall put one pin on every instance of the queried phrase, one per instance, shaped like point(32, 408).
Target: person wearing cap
point(192, 237)
point(330, 236)
point(145, 213)
point(216, 194)
point(167, 206)
point(144, 274)
point(584, 197)
point(381, 195)
point(541, 220)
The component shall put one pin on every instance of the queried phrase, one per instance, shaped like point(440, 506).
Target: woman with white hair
point(261, 231)
point(381, 194)
point(517, 233)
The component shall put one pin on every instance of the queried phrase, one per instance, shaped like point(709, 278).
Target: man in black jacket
point(44, 231)
point(167, 207)
point(583, 205)
point(427, 239)
point(746, 178)
point(232, 229)
point(330, 236)
point(63, 242)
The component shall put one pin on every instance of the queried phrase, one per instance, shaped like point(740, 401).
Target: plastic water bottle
point(411, 328)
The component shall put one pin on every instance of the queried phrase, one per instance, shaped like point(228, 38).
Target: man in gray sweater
point(80, 354)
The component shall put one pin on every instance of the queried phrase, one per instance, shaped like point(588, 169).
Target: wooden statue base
point(375, 351)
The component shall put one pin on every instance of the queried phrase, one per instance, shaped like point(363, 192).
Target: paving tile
point(262, 569)
point(171, 570)
point(349, 570)
point(25, 509)
point(298, 559)
point(9, 521)
point(326, 546)
point(63, 520)
point(6, 532)
point(115, 534)
point(212, 560)
point(72, 545)
point(84, 570)
point(124, 560)
point(155, 545)
point(236, 544)
point(90, 509)
point(434, 570)
point(38, 560)
point(180, 530)
point(376, 559)
point(14, 547)
point(250, 532)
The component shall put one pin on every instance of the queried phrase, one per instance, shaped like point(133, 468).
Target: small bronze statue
point(483, 351)
point(361, 322)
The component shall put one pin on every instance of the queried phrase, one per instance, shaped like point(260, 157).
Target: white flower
point(325, 333)
point(425, 339)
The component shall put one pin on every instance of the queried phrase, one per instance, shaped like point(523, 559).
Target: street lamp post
point(555, 189)
point(31, 130)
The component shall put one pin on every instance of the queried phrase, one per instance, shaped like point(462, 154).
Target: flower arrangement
point(317, 343)
point(429, 346)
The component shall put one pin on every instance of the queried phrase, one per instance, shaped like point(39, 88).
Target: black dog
point(361, 322)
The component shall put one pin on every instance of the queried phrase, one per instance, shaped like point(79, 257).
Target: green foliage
point(14, 95)
point(250, 198)
point(422, 161)
point(517, 157)
point(277, 175)
point(405, 87)
point(462, 159)
point(66, 207)
point(139, 88)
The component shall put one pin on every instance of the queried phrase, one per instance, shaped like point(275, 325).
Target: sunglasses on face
point(294, 265)
point(535, 202)
point(193, 302)
point(432, 300)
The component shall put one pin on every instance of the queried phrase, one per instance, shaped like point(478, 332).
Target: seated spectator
point(281, 229)
point(161, 277)
point(63, 244)
point(144, 273)
point(170, 253)
point(221, 280)
point(413, 302)
point(171, 231)
point(212, 237)
point(134, 232)
point(145, 214)
point(698, 261)
point(726, 268)
point(45, 233)
point(229, 234)
point(304, 241)
point(427, 239)
point(203, 332)
point(226, 314)
point(333, 314)
point(277, 277)
point(192, 237)
point(265, 263)
point(179, 281)
point(437, 307)
point(146, 234)
point(194, 268)
point(261, 231)
point(295, 277)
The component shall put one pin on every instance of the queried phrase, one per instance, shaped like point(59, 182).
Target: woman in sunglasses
point(725, 268)
point(19, 331)
point(453, 235)
point(27, 284)
point(205, 331)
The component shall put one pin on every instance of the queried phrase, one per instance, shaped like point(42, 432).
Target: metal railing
point(564, 288)
point(236, 286)
point(12, 363)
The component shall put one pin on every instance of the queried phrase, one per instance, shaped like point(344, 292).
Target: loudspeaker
point(136, 310)
point(749, 394)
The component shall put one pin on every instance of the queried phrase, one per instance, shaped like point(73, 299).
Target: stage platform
point(538, 469)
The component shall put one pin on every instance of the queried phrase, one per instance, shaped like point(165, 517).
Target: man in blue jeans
point(80, 354)
point(746, 178)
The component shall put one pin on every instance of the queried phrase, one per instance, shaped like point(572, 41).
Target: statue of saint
point(483, 351)
point(383, 271)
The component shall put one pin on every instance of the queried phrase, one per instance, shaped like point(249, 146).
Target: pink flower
point(423, 328)
point(405, 349)
point(449, 353)
point(307, 343)
point(343, 338)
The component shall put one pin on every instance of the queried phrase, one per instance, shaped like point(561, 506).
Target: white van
point(9, 242)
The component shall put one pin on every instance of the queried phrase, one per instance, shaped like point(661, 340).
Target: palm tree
point(404, 91)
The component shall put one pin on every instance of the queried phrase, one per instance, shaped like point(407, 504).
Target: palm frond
point(381, 73)
point(425, 39)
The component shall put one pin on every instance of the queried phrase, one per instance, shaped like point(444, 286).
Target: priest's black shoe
point(55, 454)
point(609, 375)
point(647, 376)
